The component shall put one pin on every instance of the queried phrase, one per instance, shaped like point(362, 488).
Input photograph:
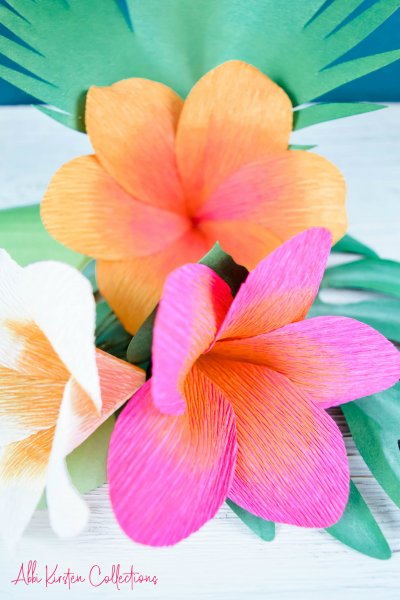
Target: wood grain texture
point(223, 561)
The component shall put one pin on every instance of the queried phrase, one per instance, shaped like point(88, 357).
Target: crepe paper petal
point(223, 264)
point(329, 111)
point(291, 464)
point(111, 337)
point(286, 193)
point(358, 529)
point(133, 287)
point(59, 294)
point(281, 288)
point(87, 464)
point(374, 424)
point(353, 246)
point(85, 209)
point(170, 474)
point(264, 529)
point(329, 358)
point(132, 125)
point(374, 274)
point(247, 242)
point(22, 235)
point(233, 115)
point(139, 350)
point(23, 470)
point(382, 314)
point(76, 421)
point(194, 303)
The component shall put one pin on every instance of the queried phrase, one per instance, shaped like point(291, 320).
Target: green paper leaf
point(87, 464)
point(89, 271)
point(374, 423)
point(65, 47)
point(110, 334)
point(224, 265)
point(23, 235)
point(302, 146)
point(374, 274)
point(139, 350)
point(382, 314)
point(348, 244)
point(358, 529)
point(264, 529)
point(319, 113)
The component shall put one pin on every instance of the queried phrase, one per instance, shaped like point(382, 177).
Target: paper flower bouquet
point(185, 343)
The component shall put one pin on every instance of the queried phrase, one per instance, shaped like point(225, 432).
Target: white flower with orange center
point(55, 390)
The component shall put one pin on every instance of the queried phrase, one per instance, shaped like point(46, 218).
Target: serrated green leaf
point(110, 334)
point(23, 235)
point(348, 244)
point(87, 464)
point(374, 274)
point(382, 314)
point(358, 529)
point(319, 113)
point(73, 45)
point(374, 423)
point(264, 529)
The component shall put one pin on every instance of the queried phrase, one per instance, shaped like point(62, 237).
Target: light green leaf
point(374, 423)
point(358, 529)
point(73, 45)
point(87, 464)
point(382, 314)
point(23, 235)
point(353, 246)
point(319, 113)
point(264, 529)
point(374, 274)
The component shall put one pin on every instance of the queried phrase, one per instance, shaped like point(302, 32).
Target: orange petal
point(287, 193)
point(234, 115)
point(84, 208)
point(133, 288)
point(131, 125)
point(245, 241)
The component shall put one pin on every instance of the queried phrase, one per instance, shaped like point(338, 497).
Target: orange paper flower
point(169, 178)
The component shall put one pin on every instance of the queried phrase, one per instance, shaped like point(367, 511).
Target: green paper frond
point(65, 46)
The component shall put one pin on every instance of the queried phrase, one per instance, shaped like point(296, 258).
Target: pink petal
point(169, 474)
point(333, 359)
point(193, 305)
point(291, 463)
point(281, 288)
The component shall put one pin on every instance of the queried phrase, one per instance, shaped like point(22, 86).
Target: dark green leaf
point(373, 274)
point(65, 47)
point(87, 464)
point(382, 314)
point(350, 245)
point(22, 234)
point(224, 265)
point(264, 529)
point(358, 529)
point(139, 349)
point(110, 334)
point(374, 423)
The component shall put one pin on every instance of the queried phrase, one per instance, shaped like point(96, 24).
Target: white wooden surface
point(223, 561)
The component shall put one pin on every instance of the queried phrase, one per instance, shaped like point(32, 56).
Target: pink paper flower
point(236, 405)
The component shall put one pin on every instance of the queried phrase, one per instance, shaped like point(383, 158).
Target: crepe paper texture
point(87, 464)
point(63, 48)
point(191, 430)
point(23, 235)
point(55, 390)
point(216, 167)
